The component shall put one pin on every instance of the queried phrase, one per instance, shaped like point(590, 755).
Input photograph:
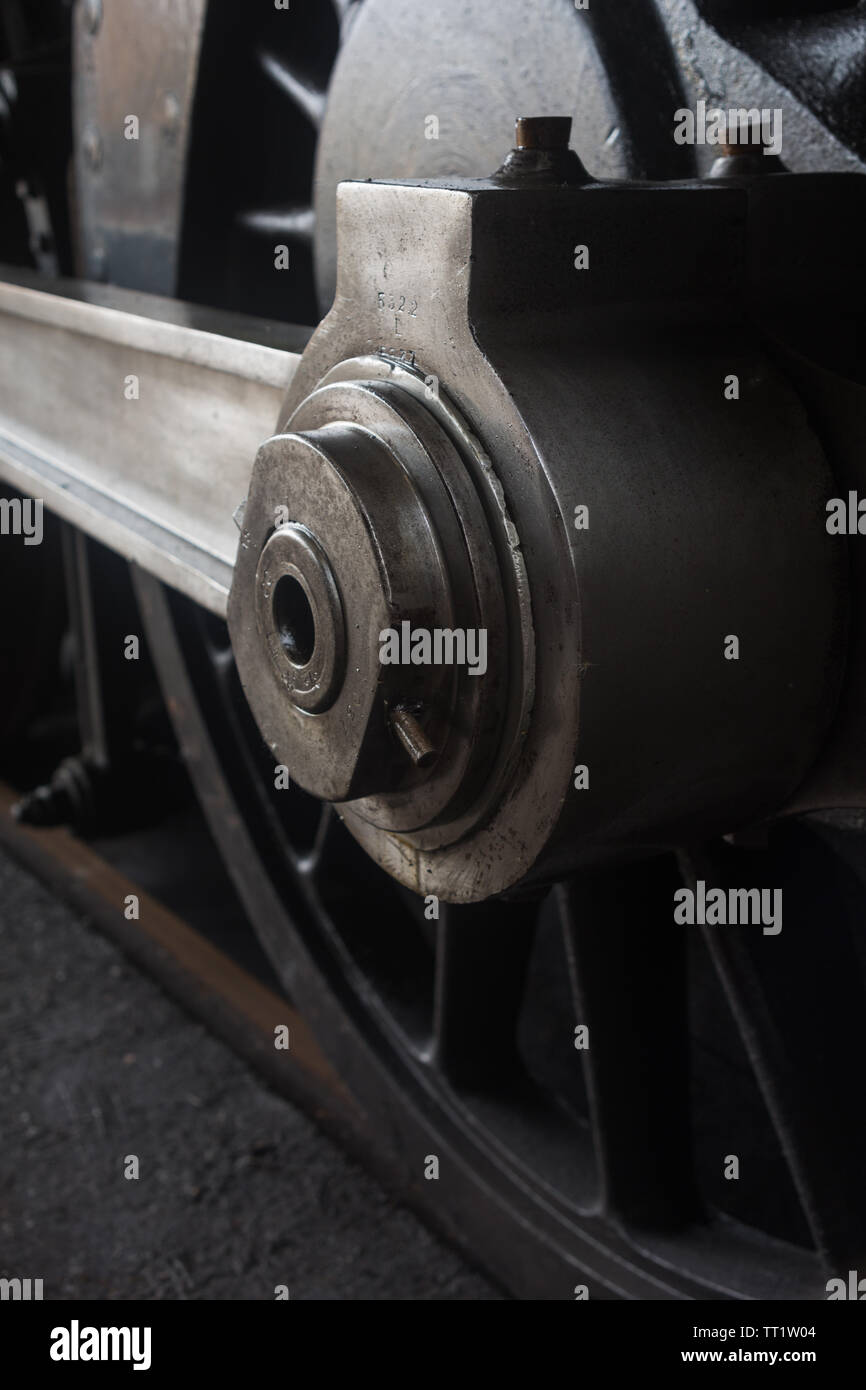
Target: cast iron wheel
point(558, 1166)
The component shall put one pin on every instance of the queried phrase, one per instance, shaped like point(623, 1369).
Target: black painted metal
point(627, 965)
point(544, 1195)
point(798, 999)
point(428, 1022)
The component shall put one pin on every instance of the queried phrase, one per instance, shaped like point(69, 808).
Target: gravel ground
point(237, 1191)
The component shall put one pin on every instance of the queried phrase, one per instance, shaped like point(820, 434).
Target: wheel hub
point(627, 676)
point(378, 666)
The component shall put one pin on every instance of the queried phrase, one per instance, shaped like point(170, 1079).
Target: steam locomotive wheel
point(558, 1168)
point(589, 1099)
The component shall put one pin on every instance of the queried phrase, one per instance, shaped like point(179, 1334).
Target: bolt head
point(542, 132)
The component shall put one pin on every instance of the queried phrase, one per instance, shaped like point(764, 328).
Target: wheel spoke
point(627, 965)
point(482, 953)
point(310, 863)
point(797, 998)
point(308, 98)
point(294, 224)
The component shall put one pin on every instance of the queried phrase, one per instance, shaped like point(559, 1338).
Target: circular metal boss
point(300, 617)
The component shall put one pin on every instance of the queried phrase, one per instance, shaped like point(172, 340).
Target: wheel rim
point(548, 1190)
point(511, 1191)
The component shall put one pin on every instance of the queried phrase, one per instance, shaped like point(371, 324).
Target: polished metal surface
point(375, 482)
point(135, 418)
point(139, 62)
point(489, 433)
point(571, 387)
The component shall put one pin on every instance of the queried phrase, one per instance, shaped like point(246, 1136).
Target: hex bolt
point(412, 736)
